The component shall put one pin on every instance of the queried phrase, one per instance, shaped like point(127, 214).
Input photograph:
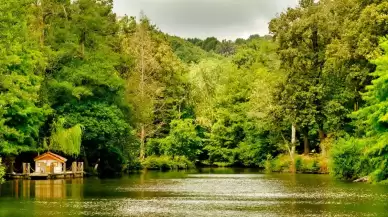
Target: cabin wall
point(42, 166)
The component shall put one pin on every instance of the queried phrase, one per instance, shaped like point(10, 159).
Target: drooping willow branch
point(66, 140)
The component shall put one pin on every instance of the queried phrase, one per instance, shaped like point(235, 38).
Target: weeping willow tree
point(66, 140)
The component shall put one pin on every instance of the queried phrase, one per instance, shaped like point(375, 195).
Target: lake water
point(209, 192)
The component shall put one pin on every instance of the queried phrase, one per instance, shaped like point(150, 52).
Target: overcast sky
point(224, 19)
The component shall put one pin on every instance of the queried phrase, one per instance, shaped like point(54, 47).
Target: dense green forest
point(311, 96)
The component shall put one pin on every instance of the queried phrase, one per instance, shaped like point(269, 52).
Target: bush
point(347, 160)
point(134, 165)
point(303, 164)
point(307, 164)
point(167, 163)
point(112, 162)
point(353, 158)
point(281, 163)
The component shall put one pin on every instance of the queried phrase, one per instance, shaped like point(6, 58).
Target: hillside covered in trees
point(311, 96)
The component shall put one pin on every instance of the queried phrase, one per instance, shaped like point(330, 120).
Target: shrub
point(281, 163)
point(347, 159)
point(223, 164)
point(182, 140)
point(307, 164)
point(303, 164)
point(134, 165)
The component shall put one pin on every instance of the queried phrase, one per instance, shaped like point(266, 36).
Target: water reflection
point(209, 192)
point(43, 189)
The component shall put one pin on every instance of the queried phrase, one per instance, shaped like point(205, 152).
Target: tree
point(310, 95)
point(210, 44)
point(226, 48)
point(67, 141)
point(366, 153)
point(154, 86)
point(22, 62)
point(187, 52)
point(183, 140)
point(83, 82)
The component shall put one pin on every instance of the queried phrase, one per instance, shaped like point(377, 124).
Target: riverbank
point(309, 164)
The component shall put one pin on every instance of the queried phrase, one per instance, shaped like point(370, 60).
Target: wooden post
point(74, 167)
point(24, 168)
point(11, 167)
point(81, 169)
point(28, 168)
point(80, 166)
point(64, 167)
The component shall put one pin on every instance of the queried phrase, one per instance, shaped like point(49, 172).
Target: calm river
point(209, 192)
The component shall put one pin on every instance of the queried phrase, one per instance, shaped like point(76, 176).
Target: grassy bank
point(167, 163)
point(303, 164)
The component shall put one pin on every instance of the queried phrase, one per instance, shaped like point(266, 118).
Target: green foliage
point(307, 164)
point(224, 98)
point(367, 154)
point(348, 159)
point(115, 91)
point(188, 52)
point(2, 172)
point(167, 163)
point(21, 63)
point(104, 125)
point(112, 161)
point(68, 140)
point(281, 163)
point(303, 164)
point(182, 140)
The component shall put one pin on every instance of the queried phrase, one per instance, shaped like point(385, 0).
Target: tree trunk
point(82, 44)
point(42, 25)
point(306, 143)
point(292, 150)
point(356, 106)
point(322, 137)
point(142, 142)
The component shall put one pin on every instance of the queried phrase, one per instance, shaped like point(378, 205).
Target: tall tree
point(22, 63)
point(83, 81)
point(154, 85)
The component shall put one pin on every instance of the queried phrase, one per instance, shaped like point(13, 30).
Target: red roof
point(50, 156)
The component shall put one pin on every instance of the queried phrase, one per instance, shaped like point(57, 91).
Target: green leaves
point(371, 121)
point(183, 140)
point(67, 141)
point(2, 171)
point(21, 64)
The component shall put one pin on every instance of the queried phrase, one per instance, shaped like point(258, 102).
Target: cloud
point(224, 19)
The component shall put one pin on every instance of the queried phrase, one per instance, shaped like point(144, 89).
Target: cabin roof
point(50, 156)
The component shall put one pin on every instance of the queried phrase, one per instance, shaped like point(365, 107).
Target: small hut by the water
point(49, 163)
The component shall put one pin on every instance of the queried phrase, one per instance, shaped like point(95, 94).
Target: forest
point(311, 96)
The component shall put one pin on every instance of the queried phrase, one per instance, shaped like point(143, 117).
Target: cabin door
point(47, 168)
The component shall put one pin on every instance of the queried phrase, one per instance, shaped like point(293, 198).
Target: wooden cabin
point(50, 163)
point(49, 166)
